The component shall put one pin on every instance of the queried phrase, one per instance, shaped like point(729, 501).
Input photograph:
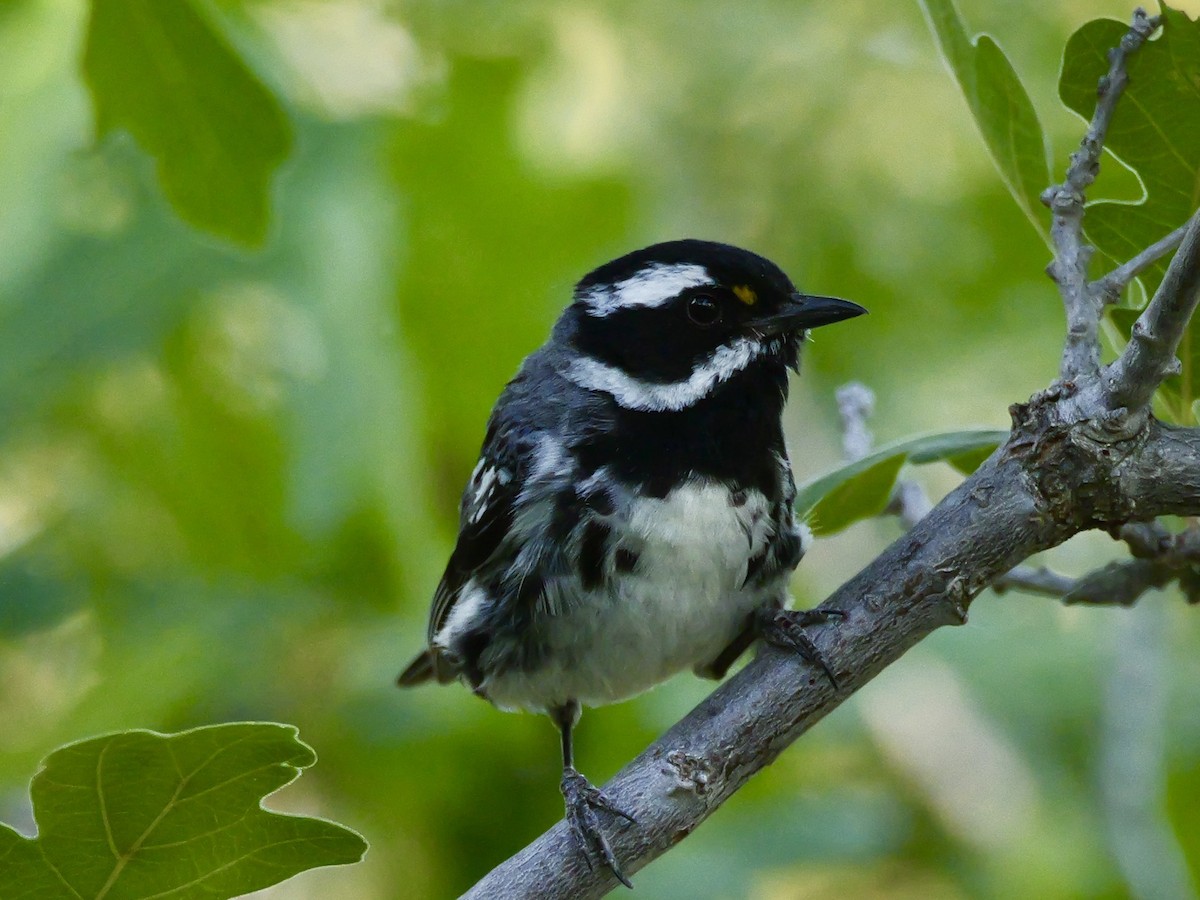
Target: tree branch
point(1160, 557)
point(1149, 357)
point(855, 403)
point(1107, 290)
point(1034, 580)
point(1072, 255)
point(1165, 472)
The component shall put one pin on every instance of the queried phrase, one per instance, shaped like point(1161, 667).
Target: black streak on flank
point(755, 568)
point(788, 551)
point(625, 560)
point(599, 501)
point(592, 551)
point(530, 591)
point(470, 648)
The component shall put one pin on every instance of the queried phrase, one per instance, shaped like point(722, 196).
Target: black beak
point(802, 311)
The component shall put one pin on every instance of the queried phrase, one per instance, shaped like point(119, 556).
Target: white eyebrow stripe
point(652, 286)
point(633, 393)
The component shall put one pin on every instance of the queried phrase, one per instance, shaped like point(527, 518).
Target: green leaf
point(1001, 107)
point(970, 460)
point(861, 497)
point(952, 445)
point(159, 69)
point(140, 814)
point(861, 489)
point(1155, 131)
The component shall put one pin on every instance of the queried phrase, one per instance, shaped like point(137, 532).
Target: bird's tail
point(419, 670)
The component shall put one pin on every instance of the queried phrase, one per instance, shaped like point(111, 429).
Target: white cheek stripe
point(633, 393)
point(652, 286)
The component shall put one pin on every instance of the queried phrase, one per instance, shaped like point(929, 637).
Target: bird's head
point(663, 327)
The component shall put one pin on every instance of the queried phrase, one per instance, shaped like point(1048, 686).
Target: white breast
point(680, 607)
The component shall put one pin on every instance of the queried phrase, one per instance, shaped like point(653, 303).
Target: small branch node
point(691, 773)
point(1146, 540)
point(1155, 336)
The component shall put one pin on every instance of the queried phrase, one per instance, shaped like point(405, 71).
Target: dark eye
point(704, 311)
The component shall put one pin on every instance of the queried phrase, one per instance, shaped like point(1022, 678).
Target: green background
point(229, 471)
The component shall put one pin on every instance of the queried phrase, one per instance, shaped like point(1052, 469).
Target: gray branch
point(1034, 580)
point(1120, 583)
point(1072, 254)
point(1160, 557)
point(1131, 751)
point(1149, 357)
point(855, 403)
point(1107, 290)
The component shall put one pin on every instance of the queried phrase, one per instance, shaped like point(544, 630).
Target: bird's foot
point(582, 802)
point(784, 628)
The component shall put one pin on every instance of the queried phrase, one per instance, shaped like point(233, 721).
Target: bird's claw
point(784, 628)
point(582, 802)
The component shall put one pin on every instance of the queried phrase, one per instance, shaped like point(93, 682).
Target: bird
point(631, 513)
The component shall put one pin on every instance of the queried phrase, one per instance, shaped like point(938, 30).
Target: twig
point(1120, 583)
point(856, 403)
point(1108, 288)
point(1116, 584)
point(1072, 255)
point(1146, 540)
point(1034, 580)
point(1149, 356)
point(909, 502)
point(1160, 557)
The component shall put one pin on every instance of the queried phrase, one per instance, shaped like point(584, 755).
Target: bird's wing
point(486, 517)
point(521, 466)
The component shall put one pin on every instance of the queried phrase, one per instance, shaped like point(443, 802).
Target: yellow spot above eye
point(746, 294)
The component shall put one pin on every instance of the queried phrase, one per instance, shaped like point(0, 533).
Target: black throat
point(733, 435)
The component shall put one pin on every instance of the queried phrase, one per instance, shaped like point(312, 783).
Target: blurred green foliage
point(158, 69)
point(229, 478)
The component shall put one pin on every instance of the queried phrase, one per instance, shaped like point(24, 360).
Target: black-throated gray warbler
point(631, 512)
